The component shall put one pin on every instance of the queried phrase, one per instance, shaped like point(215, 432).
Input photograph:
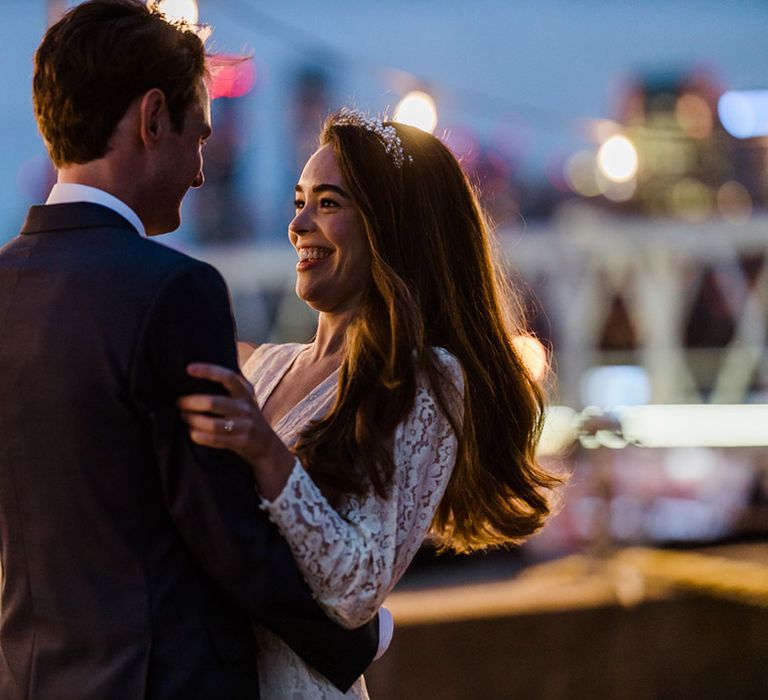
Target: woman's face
point(328, 235)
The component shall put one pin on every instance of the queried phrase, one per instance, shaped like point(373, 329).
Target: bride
point(409, 412)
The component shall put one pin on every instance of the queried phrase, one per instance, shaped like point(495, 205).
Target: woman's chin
point(327, 299)
point(326, 306)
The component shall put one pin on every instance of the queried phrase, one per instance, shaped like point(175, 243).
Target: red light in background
point(232, 76)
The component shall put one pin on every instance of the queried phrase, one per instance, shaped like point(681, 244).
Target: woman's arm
point(352, 559)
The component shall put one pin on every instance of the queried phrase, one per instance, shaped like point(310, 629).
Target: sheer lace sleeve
point(352, 559)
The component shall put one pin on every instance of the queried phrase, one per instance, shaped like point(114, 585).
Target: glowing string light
point(617, 159)
point(184, 10)
point(417, 109)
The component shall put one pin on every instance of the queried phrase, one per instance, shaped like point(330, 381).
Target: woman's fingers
point(235, 443)
point(218, 426)
point(214, 404)
point(233, 382)
point(228, 433)
point(231, 422)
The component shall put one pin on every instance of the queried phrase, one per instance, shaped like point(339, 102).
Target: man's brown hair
point(96, 60)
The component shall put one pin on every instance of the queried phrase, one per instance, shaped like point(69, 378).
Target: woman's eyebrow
point(325, 187)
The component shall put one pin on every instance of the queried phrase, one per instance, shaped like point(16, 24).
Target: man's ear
point(154, 119)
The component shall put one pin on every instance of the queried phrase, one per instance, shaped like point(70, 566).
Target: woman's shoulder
point(446, 358)
point(451, 381)
point(450, 366)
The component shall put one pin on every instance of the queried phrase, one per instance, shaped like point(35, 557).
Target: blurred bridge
point(687, 303)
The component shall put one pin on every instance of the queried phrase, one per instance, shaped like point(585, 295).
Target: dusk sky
point(536, 69)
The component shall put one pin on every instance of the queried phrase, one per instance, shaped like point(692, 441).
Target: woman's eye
point(298, 204)
point(328, 203)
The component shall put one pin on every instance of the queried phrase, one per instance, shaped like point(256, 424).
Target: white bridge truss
point(577, 271)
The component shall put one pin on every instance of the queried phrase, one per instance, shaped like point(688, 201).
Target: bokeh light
point(533, 354)
point(185, 10)
point(581, 174)
point(694, 116)
point(620, 191)
point(691, 199)
point(616, 385)
point(231, 76)
point(617, 159)
point(417, 109)
point(744, 113)
point(734, 202)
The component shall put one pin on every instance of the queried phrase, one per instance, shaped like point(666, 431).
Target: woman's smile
point(311, 256)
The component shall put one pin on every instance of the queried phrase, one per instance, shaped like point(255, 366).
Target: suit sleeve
point(210, 494)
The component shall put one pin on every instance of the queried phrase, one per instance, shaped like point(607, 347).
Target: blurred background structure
point(622, 152)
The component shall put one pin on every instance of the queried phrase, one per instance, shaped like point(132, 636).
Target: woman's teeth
point(313, 253)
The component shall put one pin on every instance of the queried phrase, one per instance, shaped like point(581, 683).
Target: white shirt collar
point(67, 192)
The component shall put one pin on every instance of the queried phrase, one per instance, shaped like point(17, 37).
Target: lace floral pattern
point(351, 557)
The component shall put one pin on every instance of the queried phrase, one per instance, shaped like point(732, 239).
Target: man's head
point(116, 84)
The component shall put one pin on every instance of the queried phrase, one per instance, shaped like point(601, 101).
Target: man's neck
point(72, 192)
point(102, 175)
point(108, 174)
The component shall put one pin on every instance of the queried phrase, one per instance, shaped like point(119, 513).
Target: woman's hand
point(235, 423)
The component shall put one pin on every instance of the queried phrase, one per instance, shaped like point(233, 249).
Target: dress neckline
point(311, 395)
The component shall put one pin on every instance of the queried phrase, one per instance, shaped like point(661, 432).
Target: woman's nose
point(301, 223)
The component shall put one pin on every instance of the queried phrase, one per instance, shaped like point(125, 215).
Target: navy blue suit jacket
point(134, 561)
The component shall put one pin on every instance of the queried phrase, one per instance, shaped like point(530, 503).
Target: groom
point(133, 561)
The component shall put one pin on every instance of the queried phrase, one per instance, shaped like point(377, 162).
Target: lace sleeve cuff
point(299, 487)
point(266, 504)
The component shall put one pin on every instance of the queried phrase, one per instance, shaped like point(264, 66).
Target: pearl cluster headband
point(387, 134)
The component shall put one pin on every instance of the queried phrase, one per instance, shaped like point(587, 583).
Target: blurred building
point(689, 166)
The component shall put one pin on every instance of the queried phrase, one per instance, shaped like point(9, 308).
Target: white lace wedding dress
point(353, 556)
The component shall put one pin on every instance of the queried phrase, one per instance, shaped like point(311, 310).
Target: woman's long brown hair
point(433, 284)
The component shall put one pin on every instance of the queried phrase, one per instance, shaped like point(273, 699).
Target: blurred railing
point(604, 434)
point(665, 276)
point(657, 425)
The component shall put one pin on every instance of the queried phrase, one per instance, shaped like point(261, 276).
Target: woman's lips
point(311, 257)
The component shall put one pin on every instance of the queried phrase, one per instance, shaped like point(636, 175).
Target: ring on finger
point(229, 425)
